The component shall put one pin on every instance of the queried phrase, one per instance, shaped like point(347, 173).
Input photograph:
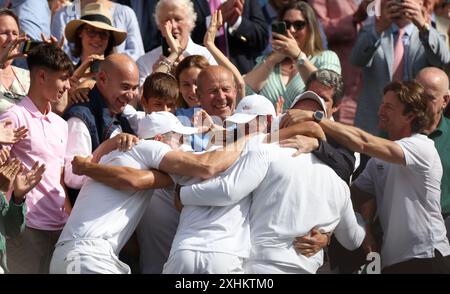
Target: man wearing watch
point(329, 86)
point(401, 183)
point(326, 88)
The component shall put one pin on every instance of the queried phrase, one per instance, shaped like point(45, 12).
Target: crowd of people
point(224, 136)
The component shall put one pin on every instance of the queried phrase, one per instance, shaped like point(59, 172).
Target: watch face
point(318, 115)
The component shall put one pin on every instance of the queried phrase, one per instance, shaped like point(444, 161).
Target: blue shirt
point(34, 17)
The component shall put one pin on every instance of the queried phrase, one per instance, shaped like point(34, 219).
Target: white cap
point(313, 96)
point(250, 107)
point(161, 122)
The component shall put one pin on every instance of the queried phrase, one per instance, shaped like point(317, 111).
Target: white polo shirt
point(290, 196)
point(146, 61)
point(408, 201)
point(102, 212)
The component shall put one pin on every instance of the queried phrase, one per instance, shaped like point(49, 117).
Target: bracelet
point(168, 64)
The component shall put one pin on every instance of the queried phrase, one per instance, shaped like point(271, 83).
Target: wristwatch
point(301, 58)
point(318, 116)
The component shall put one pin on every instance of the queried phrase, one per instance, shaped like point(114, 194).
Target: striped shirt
point(275, 88)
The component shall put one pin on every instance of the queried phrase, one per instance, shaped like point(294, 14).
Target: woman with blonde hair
point(296, 53)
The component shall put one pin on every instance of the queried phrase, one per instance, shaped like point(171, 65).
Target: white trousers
point(196, 262)
point(86, 256)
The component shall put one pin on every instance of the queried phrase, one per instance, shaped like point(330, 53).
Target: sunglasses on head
point(298, 24)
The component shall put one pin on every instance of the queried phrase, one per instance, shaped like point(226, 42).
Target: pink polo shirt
point(46, 142)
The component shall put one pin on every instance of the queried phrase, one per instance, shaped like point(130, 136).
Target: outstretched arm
point(231, 186)
point(120, 177)
point(205, 165)
point(360, 141)
point(307, 128)
point(208, 41)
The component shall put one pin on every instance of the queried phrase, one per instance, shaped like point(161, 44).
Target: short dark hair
point(412, 95)
point(50, 57)
point(328, 78)
point(77, 49)
point(160, 85)
point(9, 12)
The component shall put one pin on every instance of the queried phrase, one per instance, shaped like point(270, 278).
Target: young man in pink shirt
point(50, 69)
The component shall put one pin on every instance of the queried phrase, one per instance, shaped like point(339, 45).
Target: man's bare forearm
point(126, 178)
point(218, 161)
point(360, 141)
point(308, 128)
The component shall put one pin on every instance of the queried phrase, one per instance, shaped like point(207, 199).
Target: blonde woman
point(296, 54)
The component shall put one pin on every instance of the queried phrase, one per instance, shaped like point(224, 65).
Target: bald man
point(217, 91)
point(436, 85)
point(217, 95)
point(93, 122)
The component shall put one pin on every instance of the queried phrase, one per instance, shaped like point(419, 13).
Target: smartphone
point(28, 45)
point(279, 27)
point(95, 65)
point(165, 47)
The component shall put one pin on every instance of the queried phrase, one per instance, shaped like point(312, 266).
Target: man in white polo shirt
point(288, 199)
point(401, 184)
point(104, 218)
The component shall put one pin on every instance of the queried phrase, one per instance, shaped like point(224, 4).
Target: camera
point(279, 27)
point(95, 65)
point(28, 45)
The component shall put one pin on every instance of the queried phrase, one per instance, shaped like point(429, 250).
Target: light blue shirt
point(34, 17)
point(123, 18)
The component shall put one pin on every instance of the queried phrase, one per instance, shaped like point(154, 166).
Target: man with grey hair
point(181, 15)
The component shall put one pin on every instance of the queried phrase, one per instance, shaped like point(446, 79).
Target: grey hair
point(188, 6)
point(328, 78)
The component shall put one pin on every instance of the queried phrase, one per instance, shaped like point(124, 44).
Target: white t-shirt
point(289, 198)
point(102, 212)
point(408, 201)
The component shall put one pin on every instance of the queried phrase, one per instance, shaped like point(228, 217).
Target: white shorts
point(86, 256)
point(196, 262)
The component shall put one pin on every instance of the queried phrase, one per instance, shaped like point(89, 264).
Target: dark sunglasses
point(92, 33)
point(298, 24)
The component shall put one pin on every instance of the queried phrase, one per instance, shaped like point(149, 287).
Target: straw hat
point(96, 15)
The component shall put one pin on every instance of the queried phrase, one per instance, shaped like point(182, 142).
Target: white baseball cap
point(159, 123)
point(313, 96)
point(250, 107)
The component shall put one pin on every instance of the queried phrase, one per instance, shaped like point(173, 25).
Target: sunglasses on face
point(298, 24)
point(104, 35)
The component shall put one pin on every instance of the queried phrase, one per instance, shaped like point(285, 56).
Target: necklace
point(14, 76)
